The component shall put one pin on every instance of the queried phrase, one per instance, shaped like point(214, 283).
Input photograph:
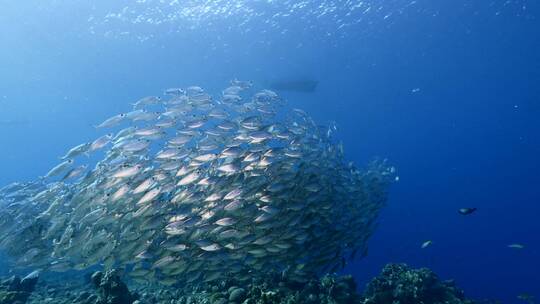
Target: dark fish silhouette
point(466, 211)
point(306, 86)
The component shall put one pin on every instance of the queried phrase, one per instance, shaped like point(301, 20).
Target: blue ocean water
point(448, 91)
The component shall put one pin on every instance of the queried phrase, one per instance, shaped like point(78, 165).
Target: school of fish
point(193, 188)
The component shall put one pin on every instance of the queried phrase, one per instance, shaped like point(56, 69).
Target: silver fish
point(77, 150)
point(60, 168)
point(199, 188)
point(113, 121)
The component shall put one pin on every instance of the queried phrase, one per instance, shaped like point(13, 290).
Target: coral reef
point(111, 289)
point(400, 284)
point(397, 284)
point(16, 290)
point(67, 293)
point(97, 288)
point(274, 289)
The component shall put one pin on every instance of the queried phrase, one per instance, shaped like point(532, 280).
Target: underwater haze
point(447, 91)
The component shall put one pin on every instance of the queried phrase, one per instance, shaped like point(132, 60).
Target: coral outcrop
point(399, 284)
point(279, 290)
point(111, 289)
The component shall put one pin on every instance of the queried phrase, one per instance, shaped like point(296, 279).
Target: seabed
point(397, 283)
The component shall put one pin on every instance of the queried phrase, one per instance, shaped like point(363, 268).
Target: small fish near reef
point(467, 211)
point(516, 246)
point(426, 244)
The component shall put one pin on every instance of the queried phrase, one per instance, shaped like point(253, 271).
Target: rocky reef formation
point(327, 290)
point(274, 289)
point(111, 289)
point(16, 290)
point(399, 284)
point(97, 288)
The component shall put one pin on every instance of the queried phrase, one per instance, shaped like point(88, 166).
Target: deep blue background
point(469, 137)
